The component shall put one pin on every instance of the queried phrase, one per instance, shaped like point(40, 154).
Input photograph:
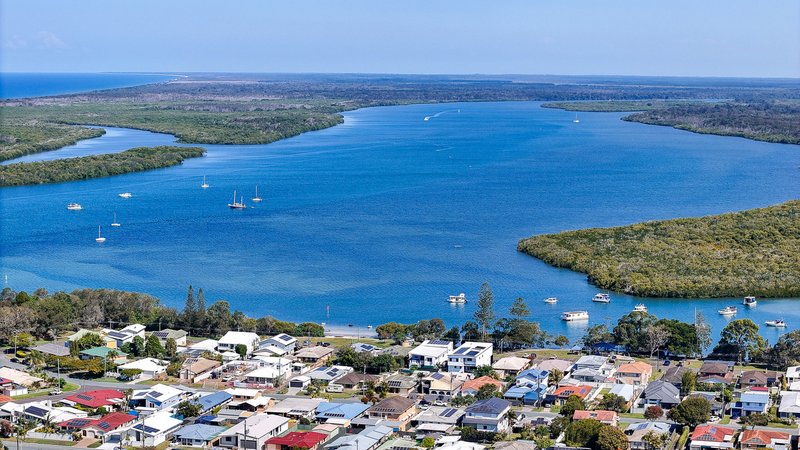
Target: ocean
point(20, 85)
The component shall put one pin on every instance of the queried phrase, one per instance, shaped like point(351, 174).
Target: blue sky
point(626, 37)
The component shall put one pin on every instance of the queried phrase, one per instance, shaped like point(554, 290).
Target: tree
point(6, 428)
point(188, 409)
point(786, 351)
point(310, 329)
point(241, 350)
point(688, 382)
point(572, 404)
point(390, 330)
point(519, 309)
point(453, 335)
point(682, 337)
point(583, 433)
point(200, 311)
point(654, 441)
point(189, 309)
point(561, 341)
point(470, 331)
point(487, 391)
point(742, 336)
point(484, 315)
point(655, 337)
point(428, 442)
point(218, 317)
point(613, 402)
point(611, 438)
point(653, 412)
point(631, 330)
point(152, 347)
point(691, 411)
point(597, 334)
point(755, 420)
point(137, 346)
point(89, 340)
point(171, 349)
point(484, 371)
point(554, 377)
point(703, 331)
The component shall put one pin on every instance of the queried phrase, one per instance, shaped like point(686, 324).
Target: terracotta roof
point(711, 433)
point(297, 439)
point(96, 399)
point(762, 437)
point(355, 378)
point(710, 368)
point(112, 421)
point(601, 414)
point(753, 377)
point(5, 399)
point(566, 391)
point(635, 367)
point(477, 383)
point(393, 405)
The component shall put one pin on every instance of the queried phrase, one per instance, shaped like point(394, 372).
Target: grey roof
point(492, 405)
point(53, 348)
point(440, 414)
point(361, 441)
point(201, 432)
point(663, 391)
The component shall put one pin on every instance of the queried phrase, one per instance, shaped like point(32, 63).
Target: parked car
point(666, 362)
point(55, 392)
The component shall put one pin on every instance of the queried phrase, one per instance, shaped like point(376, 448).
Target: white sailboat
point(100, 239)
point(204, 185)
point(126, 195)
point(115, 223)
point(257, 198)
point(576, 120)
point(237, 205)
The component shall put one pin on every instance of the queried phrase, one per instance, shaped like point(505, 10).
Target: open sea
point(383, 217)
point(20, 85)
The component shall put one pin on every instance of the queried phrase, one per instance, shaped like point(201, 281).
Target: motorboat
point(601, 298)
point(570, 316)
point(779, 323)
point(551, 300)
point(727, 311)
point(74, 207)
point(640, 308)
point(749, 301)
point(460, 298)
point(126, 195)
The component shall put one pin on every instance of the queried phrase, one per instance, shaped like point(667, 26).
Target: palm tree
point(511, 416)
point(36, 359)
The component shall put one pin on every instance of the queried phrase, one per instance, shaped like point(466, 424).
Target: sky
point(729, 38)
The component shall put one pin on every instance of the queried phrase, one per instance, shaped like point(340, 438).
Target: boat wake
point(427, 118)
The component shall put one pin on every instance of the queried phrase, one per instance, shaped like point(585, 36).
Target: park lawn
point(67, 388)
point(342, 342)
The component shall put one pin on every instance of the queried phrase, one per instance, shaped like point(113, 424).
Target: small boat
point(570, 316)
point(460, 298)
point(576, 120)
point(257, 198)
point(204, 185)
point(369, 327)
point(100, 239)
point(126, 195)
point(727, 311)
point(749, 301)
point(74, 207)
point(427, 118)
point(551, 300)
point(601, 298)
point(776, 323)
point(237, 205)
point(640, 308)
point(115, 223)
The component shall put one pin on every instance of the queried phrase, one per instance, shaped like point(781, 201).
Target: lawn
point(43, 441)
point(67, 388)
point(342, 342)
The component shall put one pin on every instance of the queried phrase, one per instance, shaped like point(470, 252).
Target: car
point(666, 362)
point(714, 419)
point(55, 392)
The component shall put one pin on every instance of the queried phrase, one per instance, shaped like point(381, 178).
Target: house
point(706, 437)
point(157, 397)
point(44, 411)
point(231, 339)
point(600, 415)
point(515, 445)
point(471, 387)
point(296, 407)
point(339, 413)
point(674, 375)
point(197, 369)
point(178, 335)
point(53, 348)
point(95, 399)
point(154, 429)
point(109, 342)
point(713, 400)
point(562, 365)
point(198, 349)
point(259, 429)
point(661, 393)
point(758, 378)
point(150, 367)
point(437, 419)
point(281, 341)
point(9, 388)
point(455, 443)
point(561, 394)
point(19, 377)
point(213, 400)
point(328, 374)
point(764, 439)
point(636, 373)
point(106, 353)
point(362, 347)
point(396, 410)
point(431, 354)
point(198, 435)
point(97, 428)
point(532, 377)
point(587, 375)
point(792, 374)
point(753, 400)
point(368, 439)
point(306, 440)
point(468, 356)
point(526, 395)
point(599, 363)
point(127, 334)
point(354, 380)
point(441, 384)
point(488, 415)
point(510, 366)
point(402, 384)
point(623, 390)
point(265, 376)
point(315, 356)
point(789, 404)
point(716, 372)
point(637, 431)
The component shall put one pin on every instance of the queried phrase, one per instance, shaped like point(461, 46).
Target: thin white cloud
point(48, 40)
point(15, 42)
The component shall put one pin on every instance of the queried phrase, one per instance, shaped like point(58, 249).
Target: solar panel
point(439, 342)
point(448, 412)
point(394, 383)
point(460, 351)
point(473, 353)
point(437, 376)
point(84, 397)
point(79, 422)
point(154, 394)
point(149, 429)
point(36, 411)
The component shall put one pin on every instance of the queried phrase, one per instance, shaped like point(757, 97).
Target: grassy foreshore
point(97, 166)
point(755, 252)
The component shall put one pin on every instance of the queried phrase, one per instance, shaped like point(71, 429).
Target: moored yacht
point(576, 120)
point(601, 298)
point(115, 223)
point(749, 301)
point(460, 298)
point(74, 207)
point(779, 323)
point(640, 307)
point(570, 316)
point(237, 205)
point(126, 195)
point(728, 311)
point(204, 185)
point(99, 239)
point(551, 300)
point(257, 198)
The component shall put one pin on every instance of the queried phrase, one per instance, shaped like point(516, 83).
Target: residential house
point(561, 394)
point(337, 413)
point(758, 378)
point(515, 445)
point(106, 398)
point(296, 407)
point(253, 432)
point(282, 365)
point(198, 435)
point(661, 393)
point(437, 420)
point(469, 356)
point(282, 341)
point(355, 380)
point(150, 367)
point(212, 400)
point(636, 373)
point(600, 415)
point(764, 439)
point(363, 347)
point(792, 374)
point(789, 404)
point(315, 356)
point(9, 388)
point(471, 387)
point(510, 366)
point(626, 391)
point(157, 397)
point(97, 428)
point(753, 400)
point(637, 431)
point(532, 377)
point(106, 353)
point(369, 439)
point(231, 339)
point(713, 400)
point(716, 372)
point(327, 374)
point(488, 415)
point(674, 375)
point(44, 411)
point(18, 377)
point(591, 369)
point(527, 394)
point(109, 342)
point(708, 437)
point(178, 335)
point(402, 384)
point(430, 354)
point(53, 348)
point(127, 334)
point(154, 429)
point(265, 377)
point(441, 384)
point(197, 369)
point(562, 365)
point(396, 410)
point(305, 440)
point(197, 349)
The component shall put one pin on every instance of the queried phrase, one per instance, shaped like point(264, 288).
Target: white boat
point(115, 223)
point(601, 298)
point(727, 311)
point(237, 205)
point(571, 316)
point(460, 298)
point(776, 323)
point(576, 120)
point(640, 307)
point(551, 300)
point(204, 185)
point(257, 198)
point(749, 301)
point(100, 239)
point(126, 195)
point(74, 207)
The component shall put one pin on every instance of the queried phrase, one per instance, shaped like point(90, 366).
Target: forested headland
point(754, 252)
point(60, 170)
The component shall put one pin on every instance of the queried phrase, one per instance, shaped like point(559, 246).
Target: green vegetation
point(71, 169)
point(616, 105)
point(754, 252)
point(20, 137)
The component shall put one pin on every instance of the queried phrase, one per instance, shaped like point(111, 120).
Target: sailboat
point(576, 120)
point(237, 205)
point(115, 223)
point(100, 239)
point(204, 185)
point(257, 198)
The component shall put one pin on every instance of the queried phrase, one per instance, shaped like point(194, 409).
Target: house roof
point(561, 365)
point(316, 352)
point(146, 365)
point(258, 425)
point(240, 337)
point(402, 381)
point(432, 349)
point(101, 352)
point(200, 365)
point(661, 390)
point(169, 333)
point(5, 399)
point(328, 410)
point(492, 405)
point(601, 415)
point(283, 339)
point(566, 391)
point(511, 363)
point(715, 368)
point(53, 348)
point(636, 431)
point(199, 432)
point(762, 437)
point(440, 414)
point(365, 440)
point(158, 423)
point(296, 404)
point(790, 402)
point(97, 398)
point(112, 421)
point(472, 349)
point(213, 400)
point(638, 367)
point(591, 360)
point(712, 433)
point(756, 377)
point(297, 439)
point(393, 405)
point(674, 374)
point(477, 383)
point(623, 390)
point(18, 377)
point(355, 378)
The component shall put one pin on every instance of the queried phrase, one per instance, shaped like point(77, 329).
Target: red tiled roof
point(5, 399)
point(96, 399)
point(477, 383)
point(601, 415)
point(297, 439)
point(112, 421)
point(566, 391)
point(5, 381)
point(759, 389)
point(711, 433)
point(762, 437)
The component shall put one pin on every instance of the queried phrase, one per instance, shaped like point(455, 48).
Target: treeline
point(770, 121)
point(754, 252)
point(616, 105)
point(23, 137)
point(60, 170)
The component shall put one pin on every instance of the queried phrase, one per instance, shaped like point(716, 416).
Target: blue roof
point(755, 397)
point(328, 410)
point(213, 400)
point(534, 373)
point(199, 431)
point(517, 392)
point(609, 347)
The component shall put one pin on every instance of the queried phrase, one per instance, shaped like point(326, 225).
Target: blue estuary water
point(19, 85)
point(383, 217)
